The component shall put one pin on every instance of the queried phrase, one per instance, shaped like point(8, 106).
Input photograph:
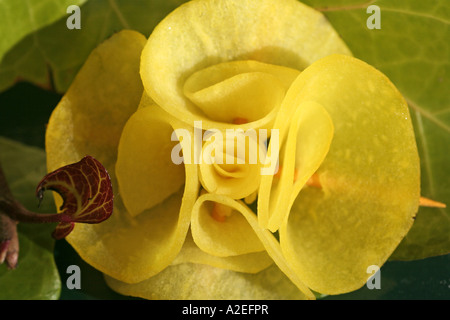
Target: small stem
point(16, 211)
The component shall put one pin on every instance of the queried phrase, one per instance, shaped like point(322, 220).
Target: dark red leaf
point(86, 190)
point(63, 229)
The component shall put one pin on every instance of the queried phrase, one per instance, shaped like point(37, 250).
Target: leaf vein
point(429, 116)
point(119, 14)
point(424, 153)
point(417, 14)
point(347, 7)
point(368, 3)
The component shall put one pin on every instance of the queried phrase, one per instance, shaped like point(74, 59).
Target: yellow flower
point(193, 218)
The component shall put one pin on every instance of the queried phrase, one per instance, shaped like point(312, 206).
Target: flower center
point(231, 163)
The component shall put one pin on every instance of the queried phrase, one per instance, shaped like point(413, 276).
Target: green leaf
point(413, 50)
point(21, 17)
point(36, 276)
point(53, 55)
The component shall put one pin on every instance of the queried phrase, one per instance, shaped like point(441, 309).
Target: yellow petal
point(90, 117)
point(204, 33)
point(144, 169)
point(248, 263)
point(89, 120)
point(132, 249)
point(310, 132)
point(247, 90)
point(203, 276)
point(370, 178)
point(222, 234)
point(189, 281)
point(268, 240)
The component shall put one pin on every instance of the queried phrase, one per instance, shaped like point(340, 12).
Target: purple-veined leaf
point(86, 190)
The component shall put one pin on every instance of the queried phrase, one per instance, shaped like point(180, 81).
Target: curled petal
point(271, 245)
point(221, 230)
point(145, 171)
point(201, 34)
point(309, 132)
point(248, 90)
point(370, 178)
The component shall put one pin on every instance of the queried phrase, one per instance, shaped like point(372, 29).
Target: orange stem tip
point(425, 202)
